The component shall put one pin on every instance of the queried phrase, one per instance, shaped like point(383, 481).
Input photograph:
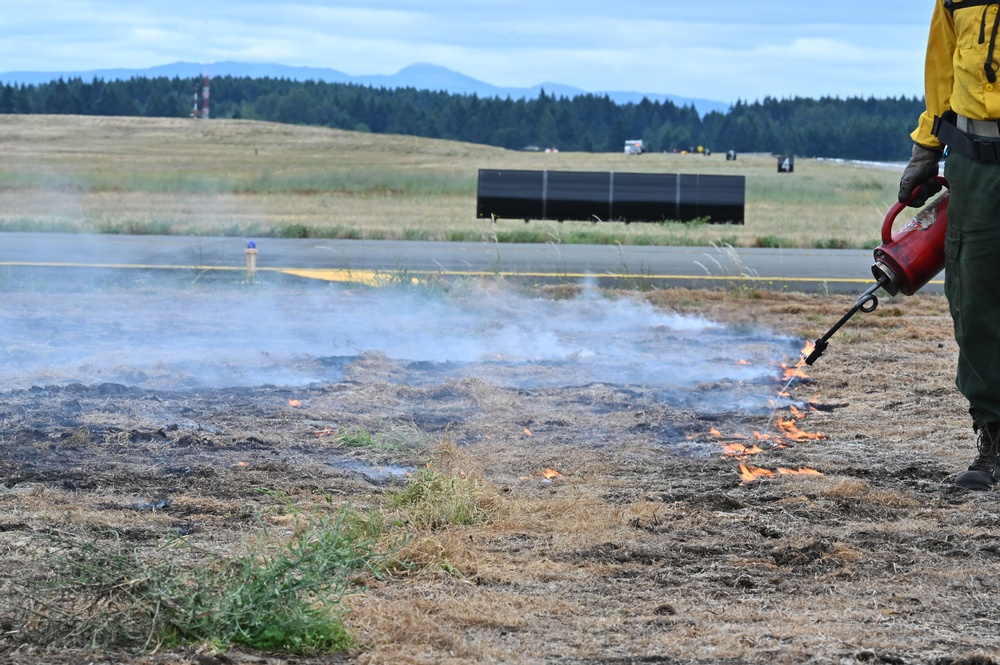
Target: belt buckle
point(990, 128)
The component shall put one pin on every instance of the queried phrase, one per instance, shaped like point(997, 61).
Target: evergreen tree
point(855, 128)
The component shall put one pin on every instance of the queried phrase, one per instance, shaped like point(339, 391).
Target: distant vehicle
point(634, 147)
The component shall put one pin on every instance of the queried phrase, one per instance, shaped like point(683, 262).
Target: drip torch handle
point(898, 207)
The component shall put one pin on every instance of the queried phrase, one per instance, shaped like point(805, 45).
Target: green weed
point(433, 500)
point(416, 234)
point(832, 243)
point(357, 437)
point(294, 231)
point(402, 438)
point(773, 242)
point(522, 235)
point(274, 595)
point(137, 228)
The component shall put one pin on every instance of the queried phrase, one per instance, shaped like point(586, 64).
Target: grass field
point(246, 178)
point(172, 492)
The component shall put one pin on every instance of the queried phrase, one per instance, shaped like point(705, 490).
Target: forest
point(852, 128)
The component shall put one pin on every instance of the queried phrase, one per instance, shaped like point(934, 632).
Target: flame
point(748, 473)
point(527, 432)
point(801, 471)
point(743, 362)
point(787, 428)
point(739, 450)
point(545, 475)
point(790, 431)
point(751, 473)
point(716, 433)
point(793, 372)
point(294, 403)
point(323, 432)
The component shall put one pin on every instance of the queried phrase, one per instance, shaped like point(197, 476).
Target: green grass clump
point(433, 500)
point(294, 231)
point(357, 437)
point(274, 595)
point(135, 227)
point(403, 438)
point(527, 234)
point(832, 243)
point(772, 242)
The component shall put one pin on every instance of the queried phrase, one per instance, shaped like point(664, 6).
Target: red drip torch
point(904, 262)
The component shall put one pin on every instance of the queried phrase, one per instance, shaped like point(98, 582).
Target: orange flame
point(527, 432)
point(793, 372)
point(801, 471)
point(294, 403)
point(752, 473)
point(749, 473)
point(739, 450)
point(544, 475)
point(790, 431)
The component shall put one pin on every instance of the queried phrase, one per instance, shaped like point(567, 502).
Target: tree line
point(852, 128)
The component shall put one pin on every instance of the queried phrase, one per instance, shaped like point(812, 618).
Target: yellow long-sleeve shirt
point(963, 42)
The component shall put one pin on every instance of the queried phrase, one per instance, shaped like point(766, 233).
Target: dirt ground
point(648, 548)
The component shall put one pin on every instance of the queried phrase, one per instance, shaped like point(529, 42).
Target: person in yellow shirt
point(962, 121)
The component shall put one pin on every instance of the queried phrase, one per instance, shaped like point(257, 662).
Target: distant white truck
point(633, 147)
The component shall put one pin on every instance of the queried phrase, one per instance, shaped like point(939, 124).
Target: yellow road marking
point(383, 277)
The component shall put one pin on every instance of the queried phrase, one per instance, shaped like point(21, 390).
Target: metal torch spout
point(867, 302)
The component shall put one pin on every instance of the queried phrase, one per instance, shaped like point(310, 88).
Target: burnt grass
point(649, 548)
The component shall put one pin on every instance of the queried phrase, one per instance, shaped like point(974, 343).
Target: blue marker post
point(251, 260)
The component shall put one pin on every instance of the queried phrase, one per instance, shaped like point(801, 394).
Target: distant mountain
point(420, 76)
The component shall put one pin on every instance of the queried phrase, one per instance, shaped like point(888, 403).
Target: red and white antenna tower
point(204, 96)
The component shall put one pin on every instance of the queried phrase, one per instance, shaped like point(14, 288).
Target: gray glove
point(923, 166)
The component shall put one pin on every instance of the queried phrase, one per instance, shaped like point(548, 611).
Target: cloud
point(720, 49)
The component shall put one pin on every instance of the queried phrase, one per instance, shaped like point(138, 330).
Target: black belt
point(986, 152)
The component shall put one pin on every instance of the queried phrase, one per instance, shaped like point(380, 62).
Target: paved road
point(845, 271)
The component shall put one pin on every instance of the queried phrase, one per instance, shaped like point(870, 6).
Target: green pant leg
point(972, 281)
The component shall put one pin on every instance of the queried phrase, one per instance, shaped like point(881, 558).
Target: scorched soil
point(651, 545)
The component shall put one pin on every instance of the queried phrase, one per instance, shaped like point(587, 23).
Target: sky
point(721, 50)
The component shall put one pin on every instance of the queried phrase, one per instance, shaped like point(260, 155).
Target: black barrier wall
point(610, 196)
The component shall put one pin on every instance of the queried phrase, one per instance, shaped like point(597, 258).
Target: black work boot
point(985, 470)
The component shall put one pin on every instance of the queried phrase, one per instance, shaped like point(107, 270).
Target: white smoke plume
point(201, 336)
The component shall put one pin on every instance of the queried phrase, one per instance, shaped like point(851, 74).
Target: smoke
point(170, 336)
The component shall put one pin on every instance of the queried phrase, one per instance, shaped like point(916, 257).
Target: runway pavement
point(368, 261)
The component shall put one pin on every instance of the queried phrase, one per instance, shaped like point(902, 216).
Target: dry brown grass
point(642, 551)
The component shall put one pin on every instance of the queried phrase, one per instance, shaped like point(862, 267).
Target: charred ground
point(648, 548)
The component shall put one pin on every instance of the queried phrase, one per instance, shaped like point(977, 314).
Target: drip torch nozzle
point(867, 302)
point(819, 346)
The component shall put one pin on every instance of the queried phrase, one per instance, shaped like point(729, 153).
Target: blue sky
point(714, 49)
